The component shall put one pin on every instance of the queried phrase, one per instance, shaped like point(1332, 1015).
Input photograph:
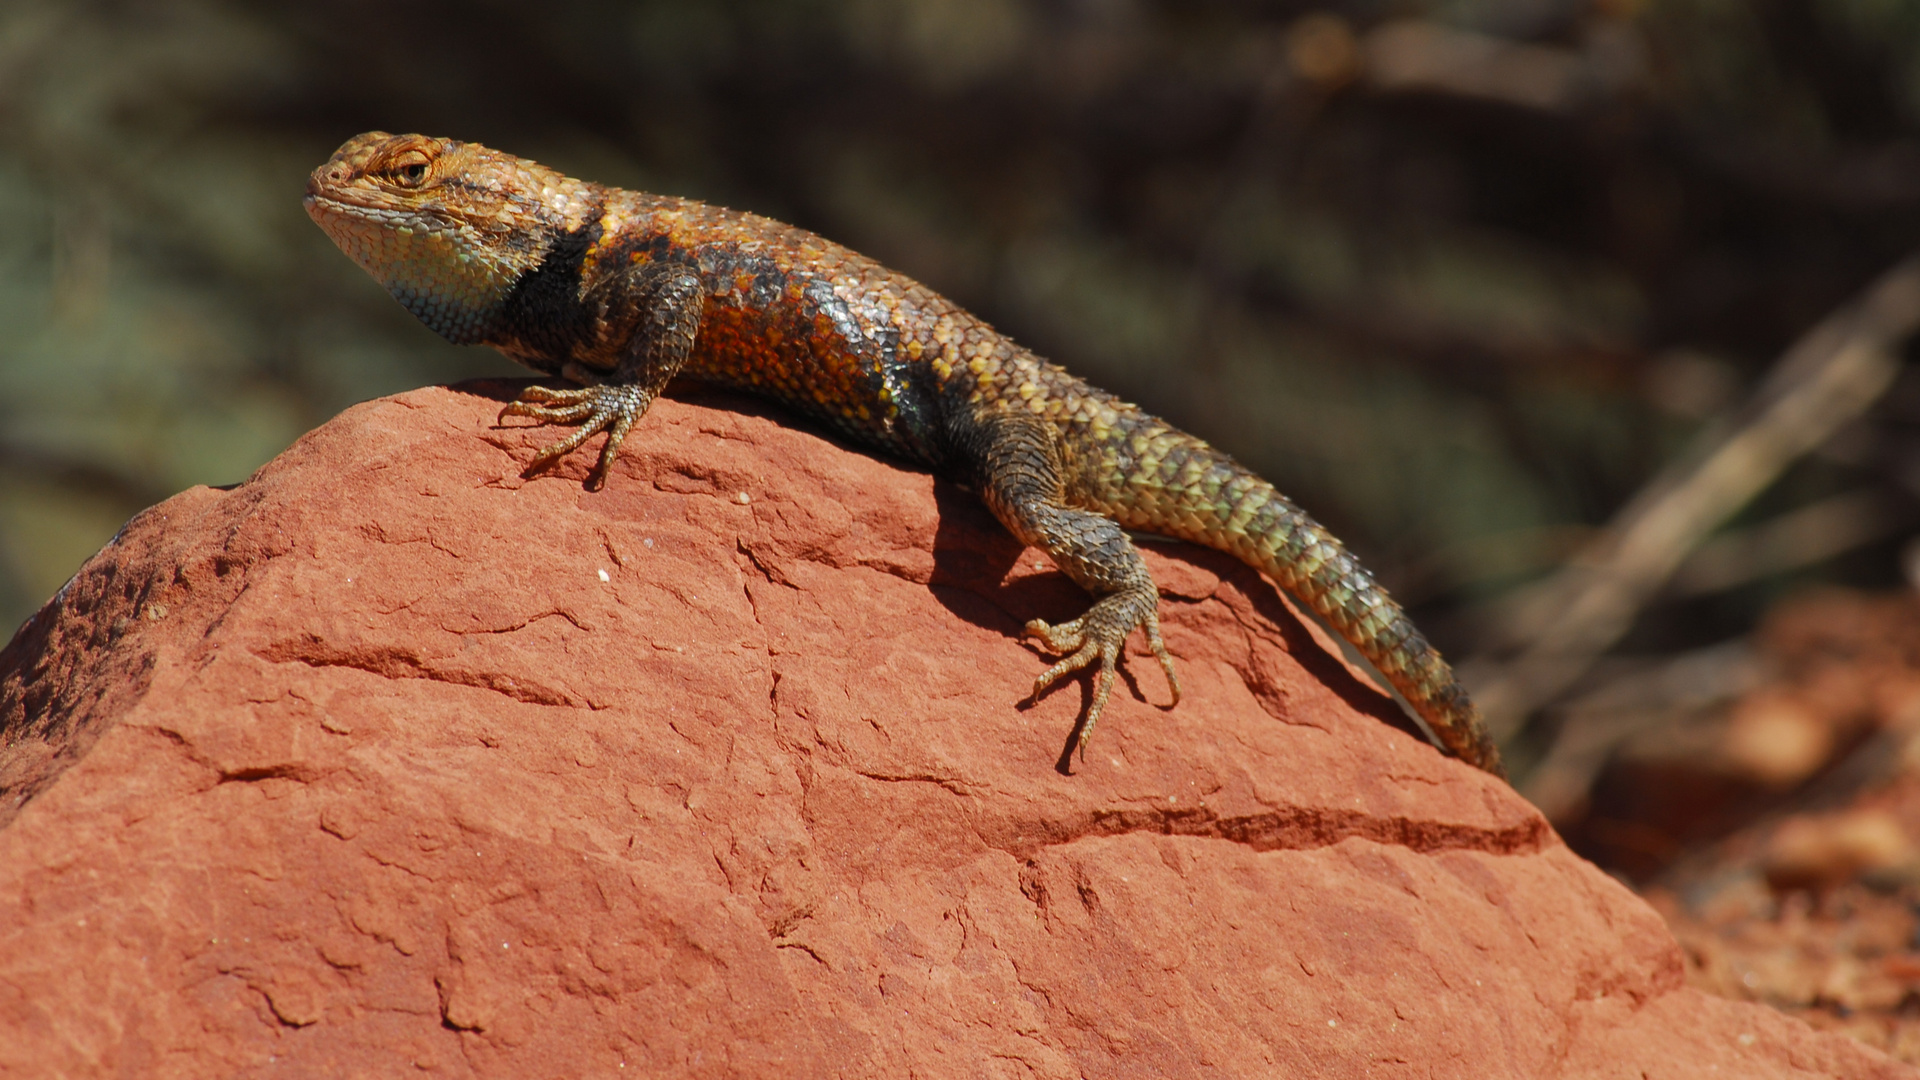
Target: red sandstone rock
point(387, 759)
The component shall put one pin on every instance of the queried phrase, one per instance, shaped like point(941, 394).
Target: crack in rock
point(1292, 829)
point(390, 662)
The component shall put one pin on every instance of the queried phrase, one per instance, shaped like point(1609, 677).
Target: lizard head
point(447, 227)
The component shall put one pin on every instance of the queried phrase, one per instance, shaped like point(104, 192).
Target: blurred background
point(1585, 322)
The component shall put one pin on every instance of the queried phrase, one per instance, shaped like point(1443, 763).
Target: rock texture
point(387, 760)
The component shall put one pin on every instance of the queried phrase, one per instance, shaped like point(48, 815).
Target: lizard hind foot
point(611, 408)
point(1097, 638)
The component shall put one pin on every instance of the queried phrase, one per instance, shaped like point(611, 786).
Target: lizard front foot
point(1097, 637)
point(608, 407)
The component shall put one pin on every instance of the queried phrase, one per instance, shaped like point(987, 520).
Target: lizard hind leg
point(1017, 461)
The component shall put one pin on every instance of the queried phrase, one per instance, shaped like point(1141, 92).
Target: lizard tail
point(1182, 487)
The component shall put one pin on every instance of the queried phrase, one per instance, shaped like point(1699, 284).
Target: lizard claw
point(611, 408)
point(1097, 637)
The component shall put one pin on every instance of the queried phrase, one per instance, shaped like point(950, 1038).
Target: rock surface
point(390, 760)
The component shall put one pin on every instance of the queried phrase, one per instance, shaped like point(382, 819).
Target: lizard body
point(621, 291)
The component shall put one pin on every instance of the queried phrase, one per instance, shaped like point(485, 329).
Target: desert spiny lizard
point(620, 291)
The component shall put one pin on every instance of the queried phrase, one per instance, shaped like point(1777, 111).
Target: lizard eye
point(409, 170)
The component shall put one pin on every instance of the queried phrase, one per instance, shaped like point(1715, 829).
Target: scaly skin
point(620, 291)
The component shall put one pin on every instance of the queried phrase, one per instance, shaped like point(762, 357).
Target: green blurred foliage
point(1460, 327)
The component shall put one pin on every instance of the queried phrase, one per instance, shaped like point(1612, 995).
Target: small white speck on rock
point(604, 576)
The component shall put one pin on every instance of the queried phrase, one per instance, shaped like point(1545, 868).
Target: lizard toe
point(548, 405)
point(1160, 653)
point(547, 395)
point(1084, 655)
point(1064, 638)
point(547, 414)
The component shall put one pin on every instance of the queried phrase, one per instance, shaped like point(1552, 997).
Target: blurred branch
point(1802, 537)
point(1651, 696)
point(1416, 55)
point(1828, 377)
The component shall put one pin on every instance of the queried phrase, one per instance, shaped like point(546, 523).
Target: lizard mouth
point(316, 205)
point(321, 207)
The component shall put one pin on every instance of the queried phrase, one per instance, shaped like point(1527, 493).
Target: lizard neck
point(548, 316)
point(580, 302)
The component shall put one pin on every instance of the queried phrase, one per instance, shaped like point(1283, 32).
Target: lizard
point(621, 291)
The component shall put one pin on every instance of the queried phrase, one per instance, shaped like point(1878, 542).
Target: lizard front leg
point(1018, 470)
point(665, 323)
